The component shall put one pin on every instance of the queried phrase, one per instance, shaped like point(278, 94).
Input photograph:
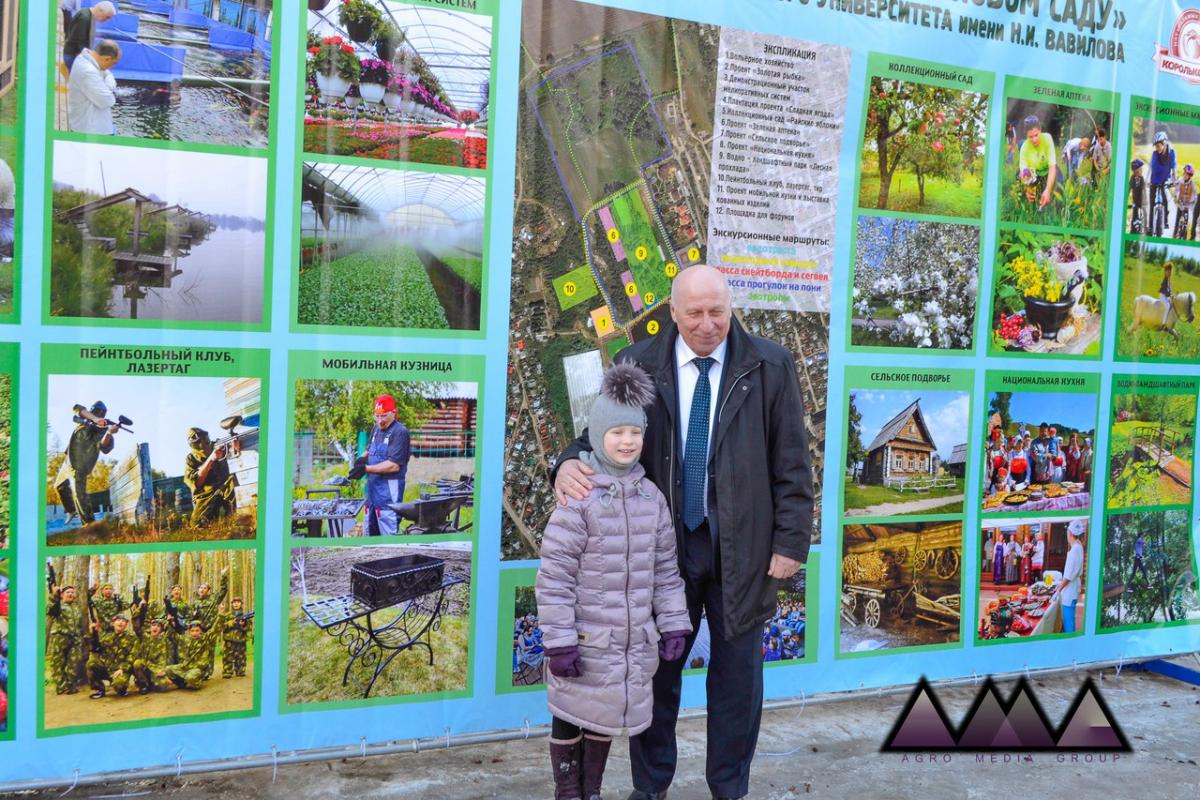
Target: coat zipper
point(628, 616)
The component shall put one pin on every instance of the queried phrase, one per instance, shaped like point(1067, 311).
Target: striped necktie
point(695, 455)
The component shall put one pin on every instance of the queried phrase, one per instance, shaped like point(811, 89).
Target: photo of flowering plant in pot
point(1049, 293)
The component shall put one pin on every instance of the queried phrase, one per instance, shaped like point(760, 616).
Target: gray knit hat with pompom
point(624, 393)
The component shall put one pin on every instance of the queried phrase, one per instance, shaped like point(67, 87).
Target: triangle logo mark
point(922, 725)
point(1089, 725)
point(1028, 720)
point(984, 720)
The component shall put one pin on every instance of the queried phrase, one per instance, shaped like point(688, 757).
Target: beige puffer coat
point(609, 582)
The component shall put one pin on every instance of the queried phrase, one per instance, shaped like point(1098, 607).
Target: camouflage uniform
point(107, 608)
point(83, 451)
point(218, 496)
point(235, 633)
point(205, 610)
point(153, 657)
point(117, 652)
point(66, 644)
point(194, 660)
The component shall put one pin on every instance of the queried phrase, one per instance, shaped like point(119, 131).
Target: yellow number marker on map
point(649, 298)
point(671, 269)
point(569, 288)
point(693, 254)
point(641, 252)
point(631, 289)
point(614, 235)
point(652, 327)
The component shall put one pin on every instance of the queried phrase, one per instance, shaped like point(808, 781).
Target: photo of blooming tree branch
point(915, 284)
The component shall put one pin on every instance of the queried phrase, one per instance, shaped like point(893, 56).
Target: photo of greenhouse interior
point(397, 82)
point(185, 70)
point(388, 248)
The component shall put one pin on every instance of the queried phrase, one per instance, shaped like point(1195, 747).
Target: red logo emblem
point(1182, 58)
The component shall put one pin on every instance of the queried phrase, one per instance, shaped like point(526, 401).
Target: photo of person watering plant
point(1149, 571)
point(1161, 196)
point(1157, 312)
point(139, 637)
point(916, 284)
point(377, 622)
point(1060, 175)
point(396, 81)
point(134, 239)
point(923, 149)
point(191, 72)
point(1151, 449)
point(146, 459)
point(1049, 294)
point(381, 458)
point(386, 248)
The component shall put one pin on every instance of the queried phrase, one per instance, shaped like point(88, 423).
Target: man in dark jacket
point(726, 443)
point(82, 31)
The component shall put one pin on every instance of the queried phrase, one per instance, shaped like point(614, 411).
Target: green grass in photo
point(575, 287)
point(317, 662)
point(643, 253)
point(943, 197)
point(1142, 276)
point(862, 496)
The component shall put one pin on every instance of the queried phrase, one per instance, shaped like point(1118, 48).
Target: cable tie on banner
point(526, 728)
point(1074, 665)
point(274, 763)
point(1027, 675)
point(416, 748)
point(803, 700)
point(1120, 663)
point(447, 732)
point(363, 745)
point(975, 677)
point(74, 783)
point(178, 764)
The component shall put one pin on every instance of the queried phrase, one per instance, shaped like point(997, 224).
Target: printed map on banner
point(619, 188)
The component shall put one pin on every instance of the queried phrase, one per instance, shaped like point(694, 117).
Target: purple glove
point(565, 662)
point(670, 646)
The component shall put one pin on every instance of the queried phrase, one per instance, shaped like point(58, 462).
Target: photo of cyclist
point(1162, 175)
point(1137, 197)
point(1185, 204)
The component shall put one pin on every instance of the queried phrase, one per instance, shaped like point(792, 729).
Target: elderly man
point(82, 31)
point(92, 89)
point(726, 444)
point(8, 210)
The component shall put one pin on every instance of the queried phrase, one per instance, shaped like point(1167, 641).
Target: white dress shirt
point(686, 375)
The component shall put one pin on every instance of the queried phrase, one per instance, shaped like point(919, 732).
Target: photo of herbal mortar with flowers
point(1049, 294)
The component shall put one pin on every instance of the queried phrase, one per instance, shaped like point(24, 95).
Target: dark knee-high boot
point(564, 761)
point(595, 756)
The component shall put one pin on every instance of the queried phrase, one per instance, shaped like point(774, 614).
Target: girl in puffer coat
point(610, 599)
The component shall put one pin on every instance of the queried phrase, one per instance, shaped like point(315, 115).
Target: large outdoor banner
point(301, 302)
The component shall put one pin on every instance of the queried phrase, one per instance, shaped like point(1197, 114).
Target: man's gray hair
point(108, 48)
point(105, 9)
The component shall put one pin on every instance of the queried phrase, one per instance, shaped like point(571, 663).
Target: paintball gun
point(173, 615)
point(244, 618)
point(85, 417)
point(236, 439)
point(51, 577)
point(94, 619)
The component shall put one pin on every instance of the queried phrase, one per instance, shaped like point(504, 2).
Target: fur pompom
point(628, 385)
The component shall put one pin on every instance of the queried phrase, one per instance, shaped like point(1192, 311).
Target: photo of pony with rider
point(1159, 285)
point(1056, 165)
point(1160, 194)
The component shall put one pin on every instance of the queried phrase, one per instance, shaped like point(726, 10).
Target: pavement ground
point(820, 751)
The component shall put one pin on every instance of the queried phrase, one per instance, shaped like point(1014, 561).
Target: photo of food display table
point(1039, 497)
